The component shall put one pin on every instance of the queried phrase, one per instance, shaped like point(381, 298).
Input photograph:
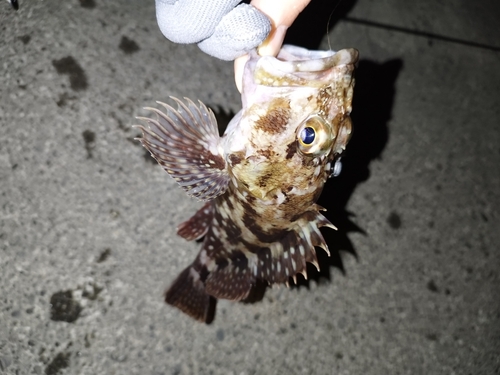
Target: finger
point(239, 31)
point(239, 67)
point(282, 14)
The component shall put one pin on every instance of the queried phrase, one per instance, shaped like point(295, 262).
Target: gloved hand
point(221, 28)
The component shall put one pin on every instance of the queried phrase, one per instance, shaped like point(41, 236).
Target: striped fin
point(187, 293)
point(230, 276)
point(288, 257)
point(185, 142)
point(230, 282)
point(197, 226)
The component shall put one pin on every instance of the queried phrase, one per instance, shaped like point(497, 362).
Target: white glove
point(221, 28)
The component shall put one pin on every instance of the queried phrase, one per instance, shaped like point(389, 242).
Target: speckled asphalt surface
point(87, 221)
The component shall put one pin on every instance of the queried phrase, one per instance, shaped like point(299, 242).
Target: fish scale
point(261, 179)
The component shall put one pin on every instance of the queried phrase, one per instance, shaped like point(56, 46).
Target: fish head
point(294, 123)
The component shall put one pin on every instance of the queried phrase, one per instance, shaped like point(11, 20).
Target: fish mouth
point(296, 66)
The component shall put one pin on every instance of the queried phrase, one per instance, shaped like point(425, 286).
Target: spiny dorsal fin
point(288, 257)
point(185, 142)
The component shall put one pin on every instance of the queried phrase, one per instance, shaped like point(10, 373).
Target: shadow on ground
point(372, 106)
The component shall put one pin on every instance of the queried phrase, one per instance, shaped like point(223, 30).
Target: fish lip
point(293, 59)
point(295, 67)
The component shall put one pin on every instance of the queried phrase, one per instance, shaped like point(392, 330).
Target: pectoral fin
point(185, 142)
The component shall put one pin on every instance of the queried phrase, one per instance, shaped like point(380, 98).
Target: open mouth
point(296, 66)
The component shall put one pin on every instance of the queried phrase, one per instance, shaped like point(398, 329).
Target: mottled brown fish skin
point(238, 249)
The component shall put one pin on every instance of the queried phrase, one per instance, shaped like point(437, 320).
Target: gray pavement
point(87, 222)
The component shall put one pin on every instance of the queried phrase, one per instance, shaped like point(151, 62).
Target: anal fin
point(187, 293)
point(230, 283)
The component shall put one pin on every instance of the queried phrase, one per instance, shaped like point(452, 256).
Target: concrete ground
point(87, 221)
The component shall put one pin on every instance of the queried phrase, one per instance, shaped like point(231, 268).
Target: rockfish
point(261, 179)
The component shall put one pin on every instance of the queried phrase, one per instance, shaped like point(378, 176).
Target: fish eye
point(307, 135)
point(314, 135)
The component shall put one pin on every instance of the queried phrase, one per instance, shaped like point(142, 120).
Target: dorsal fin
point(288, 257)
point(185, 142)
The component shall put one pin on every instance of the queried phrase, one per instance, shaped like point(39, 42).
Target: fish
point(259, 181)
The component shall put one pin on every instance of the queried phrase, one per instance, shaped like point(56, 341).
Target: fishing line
point(328, 23)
